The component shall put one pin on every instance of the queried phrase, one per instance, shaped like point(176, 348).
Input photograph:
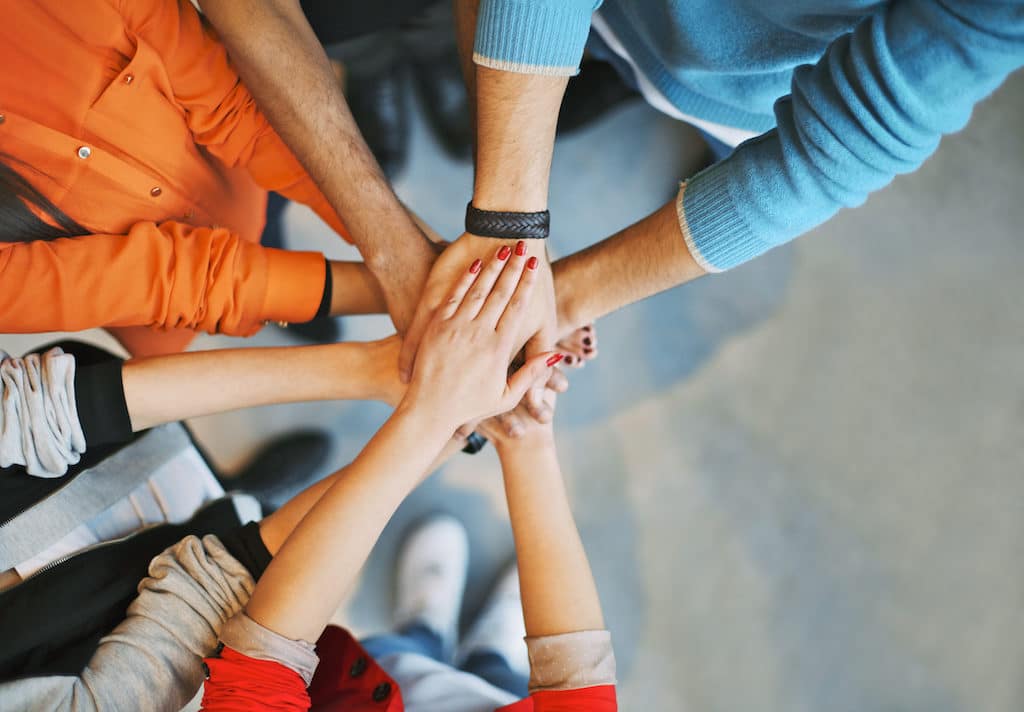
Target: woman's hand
point(462, 364)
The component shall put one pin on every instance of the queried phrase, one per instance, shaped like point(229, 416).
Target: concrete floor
point(800, 482)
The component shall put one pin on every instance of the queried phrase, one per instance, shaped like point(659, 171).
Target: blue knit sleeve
point(875, 105)
point(533, 36)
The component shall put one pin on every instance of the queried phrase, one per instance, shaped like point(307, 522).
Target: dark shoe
point(282, 467)
point(323, 330)
point(446, 103)
point(381, 111)
point(597, 89)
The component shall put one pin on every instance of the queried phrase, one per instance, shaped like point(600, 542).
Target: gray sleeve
point(39, 424)
point(153, 659)
point(571, 660)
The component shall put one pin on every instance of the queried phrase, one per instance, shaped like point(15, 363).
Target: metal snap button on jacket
point(358, 667)
point(381, 691)
point(84, 152)
point(2, 118)
point(129, 78)
point(156, 192)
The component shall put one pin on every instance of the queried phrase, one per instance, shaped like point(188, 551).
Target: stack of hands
point(531, 330)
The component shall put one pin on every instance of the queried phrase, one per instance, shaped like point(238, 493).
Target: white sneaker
point(431, 577)
point(499, 628)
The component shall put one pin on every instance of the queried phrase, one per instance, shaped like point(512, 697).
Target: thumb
point(411, 342)
point(536, 371)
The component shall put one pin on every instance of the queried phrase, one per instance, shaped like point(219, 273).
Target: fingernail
point(586, 328)
point(586, 341)
point(555, 359)
point(531, 263)
point(520, 248)
point(568, 360)
point(504, 252)
point(475, 267)
point(588, 351)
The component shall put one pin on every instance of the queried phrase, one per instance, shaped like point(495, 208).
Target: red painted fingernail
point(586, 328)
point(555, 359)
point(504, 252)
point(531, 263)
point(475, 267)
point(568, 360)
point(587, 341)
point(520, 248)
point(588, 351)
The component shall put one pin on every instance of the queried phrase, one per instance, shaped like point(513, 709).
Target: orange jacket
point(127, 115)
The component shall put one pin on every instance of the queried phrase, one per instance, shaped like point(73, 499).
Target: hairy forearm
point(283, 65)
point(163, 389)
point(557, 586)
point(325, 552)
point(647, 257)
point(515, 130)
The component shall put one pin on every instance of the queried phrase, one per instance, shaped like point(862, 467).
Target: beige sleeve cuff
point(571, 660)
point(244, 635)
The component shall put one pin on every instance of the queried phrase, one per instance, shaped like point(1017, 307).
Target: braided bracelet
point(489, 223)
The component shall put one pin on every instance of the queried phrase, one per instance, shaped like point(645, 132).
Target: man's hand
point(538, 330)
point(403, 276)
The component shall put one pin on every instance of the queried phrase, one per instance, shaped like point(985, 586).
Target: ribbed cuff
point(531, 37)
point(99, 398)
point(295, 285)
point(716, 234)
point(244, 635)
point(571, 660)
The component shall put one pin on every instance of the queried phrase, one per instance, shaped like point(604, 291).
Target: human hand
point(537, 328)
point(461, 371)
point(403, 276)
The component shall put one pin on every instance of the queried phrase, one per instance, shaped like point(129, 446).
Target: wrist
point(429, 409)
point(567, 306)
point(538, 440)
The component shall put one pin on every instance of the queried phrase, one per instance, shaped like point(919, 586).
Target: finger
point(451, 304)
point(407, 357)
point(536, 405)
point(509, 321)
point(559, 382)
point(511, 423)
point(476, 297)
point(466, 430)
point(536, 372)
point(506, 286)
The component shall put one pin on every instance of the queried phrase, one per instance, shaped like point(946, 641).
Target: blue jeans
point(419, 639)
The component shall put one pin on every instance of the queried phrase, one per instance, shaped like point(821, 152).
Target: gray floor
point(800, 482)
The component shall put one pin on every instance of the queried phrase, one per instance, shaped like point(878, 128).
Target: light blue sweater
point(848, 93)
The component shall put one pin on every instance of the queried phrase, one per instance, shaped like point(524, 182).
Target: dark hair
point(17, 221)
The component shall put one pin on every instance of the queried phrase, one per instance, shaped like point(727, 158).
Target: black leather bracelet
point(521, 226)
point(474, 443)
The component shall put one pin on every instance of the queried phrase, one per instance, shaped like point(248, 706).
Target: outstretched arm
point(285, 68)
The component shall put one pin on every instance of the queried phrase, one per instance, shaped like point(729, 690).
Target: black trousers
point(336, 21)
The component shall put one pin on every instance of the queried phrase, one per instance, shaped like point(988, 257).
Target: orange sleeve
point(220, 111)
point(170, 276)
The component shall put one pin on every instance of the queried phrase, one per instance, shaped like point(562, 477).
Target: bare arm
point(163, 389)
point(285, 68)
point(645, 258)
point(559, 595)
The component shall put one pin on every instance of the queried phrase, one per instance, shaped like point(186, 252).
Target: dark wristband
point(325, 301)
point(474, 443)
point(512, 226)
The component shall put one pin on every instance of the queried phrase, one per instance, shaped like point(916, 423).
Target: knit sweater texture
point(848, 93)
